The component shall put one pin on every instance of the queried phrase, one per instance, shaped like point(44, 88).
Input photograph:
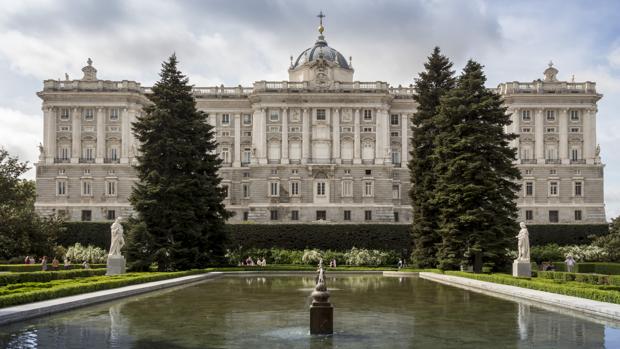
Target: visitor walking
point(31, 260)
point(570, 263)
point(67, 264)
point(400, 263)
point(44, 263)
point(55, 264)
point(86, 265)
point(332, 263)
point(27, 260)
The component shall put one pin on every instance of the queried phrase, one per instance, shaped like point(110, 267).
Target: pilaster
point(237, 131)
point(125, 136)
point(357, 149)
point(262, 148)
point(256, 134)
point(336, 135)
point(306, 136)
point(564, 136)
point(284, 142)
point(49, 134)
point(76, 143)
point(539, 137)
point(100, 155)
point(516, 129)
point(379, 137)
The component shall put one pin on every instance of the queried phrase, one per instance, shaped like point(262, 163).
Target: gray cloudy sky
point(238, 42)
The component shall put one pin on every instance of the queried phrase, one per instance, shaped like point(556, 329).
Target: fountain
point(321, 311)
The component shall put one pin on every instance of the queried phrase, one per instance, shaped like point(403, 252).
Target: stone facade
point(318, 147)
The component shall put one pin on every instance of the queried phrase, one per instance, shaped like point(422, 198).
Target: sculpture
point(41, 152)
point(524, 244)
point(118, 241)
point(321, 311)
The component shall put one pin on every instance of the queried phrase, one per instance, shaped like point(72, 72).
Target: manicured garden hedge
point(46, 276)
point(596, 268)
point(26, 268)
point(338, 237)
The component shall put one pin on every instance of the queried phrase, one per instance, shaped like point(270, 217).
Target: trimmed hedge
point(63, 288)
point(565, 234)
point(44, 276)
point(29, 268)
point(86, 233)
point(598, 293)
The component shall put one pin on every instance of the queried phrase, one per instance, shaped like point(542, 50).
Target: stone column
point(256, 134)
point(125, 136)
point(306, 137)
point(379, 137)
point(101, 153)
point(284, 143)
point(404, 134)
point(564, 136)
point(589, 136)
point(49, 134)
point(237, 131)
point(336, 135)
point(516, 129)
point(76, 143)
point(357, 148)
point(387, 140)
point(262, 149)
point(539, 137)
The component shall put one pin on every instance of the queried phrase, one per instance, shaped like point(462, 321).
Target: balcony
point(87, 161)
point(245, 163)
point(111, 161)
point(62, 160)
point(553, 161)
point(528, 161)
point(578, 161)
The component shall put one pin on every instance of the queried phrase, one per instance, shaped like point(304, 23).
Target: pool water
point(272, 312)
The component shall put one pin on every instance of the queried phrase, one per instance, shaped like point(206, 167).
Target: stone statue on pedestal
point(116, 261)
point(521, 267)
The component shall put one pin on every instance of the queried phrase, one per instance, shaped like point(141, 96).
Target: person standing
point(44, 263)
point(27, 260)
point(570, 263)
point(400, 263)
point(67, 264)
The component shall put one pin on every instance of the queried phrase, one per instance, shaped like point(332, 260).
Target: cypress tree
point(476, 184)
point(430, 86)
point(178, 197)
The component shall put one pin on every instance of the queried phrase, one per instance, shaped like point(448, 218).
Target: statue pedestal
point(116, 265)
point(521, 269)
point(321, 319)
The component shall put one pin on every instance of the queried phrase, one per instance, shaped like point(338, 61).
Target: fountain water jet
point(321, 311)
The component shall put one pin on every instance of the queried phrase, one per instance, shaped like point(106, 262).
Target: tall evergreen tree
point(476, 185)
point(430, 86)
point(178, 197)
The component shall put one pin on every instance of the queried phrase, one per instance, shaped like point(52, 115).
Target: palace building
point(319, 146)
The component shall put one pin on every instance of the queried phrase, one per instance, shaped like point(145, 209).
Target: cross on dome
point(321, 27)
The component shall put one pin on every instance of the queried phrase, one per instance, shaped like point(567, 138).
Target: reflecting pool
point(272, 312)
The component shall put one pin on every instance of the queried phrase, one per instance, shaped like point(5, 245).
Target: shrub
point(565, 234)
point(584, 253)
point(43, 276)
point(90, 254)
point(311, 257)
point(85, 233)
point(366, 257)
point(544, 253)
point(25, 268)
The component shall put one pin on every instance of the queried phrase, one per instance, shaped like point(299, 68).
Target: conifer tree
point(430, 86)
point(178, 196)
point(476, 184)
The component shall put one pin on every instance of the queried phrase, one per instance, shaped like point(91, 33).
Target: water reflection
point(271, 312)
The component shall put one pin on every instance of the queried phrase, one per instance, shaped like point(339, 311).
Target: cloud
point(20, 134)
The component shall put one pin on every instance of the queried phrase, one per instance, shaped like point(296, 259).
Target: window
point(347, 215)
point(396, 157)
point(247, 119)
point(273, 215)
point(574, 115)
point(247, 133)
point(320, 188)
point(550, 115)
point(575, 130)
point(529, 215)
point(89, 153)
point(554, 216)
point(225, 133)
point(225, 155)
point(552, 152)
point(396, 191)
point(396, 217)
point(368, 215)
point(574, 154)
point(368, 172)
point(87, 172)
point(274, 116)
point(528, 172)
point(87, 188)
point(347, 188)
point(294, 188)
point(550, 130)
point(295, 129)
point(89, 114)
point(320, 114)
point(367, 114)
point(65, 128)
point(64, 114)
point(111, 215)
point(247, 155)
point(347, 171)
point(553, 172)
point(61, 188)
point(395, 134)
point(366, 129)
point(578, 216)
point(226, 191)
point(274, 171)
point(321, 215)
point(368, 188)
point(526, 153)
point(274, 189)
point(525, 115)
point(87, 215)
point(110, 188)
point(529, 188)
point(113, 114)
point(346, 129)
point(553, 188)
point(274, 129)
point(246, 190)
point(577, 172)
point(114, 153)
point(61, 171)
point(526, 130)
point(578, 189)
point(246, 215)
point(225, 119)
point(294, 215)
point(394, 119)
point(294, 171)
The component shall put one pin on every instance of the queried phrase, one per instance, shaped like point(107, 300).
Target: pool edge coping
point(571, 304)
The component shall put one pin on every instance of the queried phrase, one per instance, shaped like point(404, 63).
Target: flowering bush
point(91, 254)
point(311, 256)
point(585, 253)
point(366, 257)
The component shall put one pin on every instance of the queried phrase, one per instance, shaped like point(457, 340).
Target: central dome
point(321, 50)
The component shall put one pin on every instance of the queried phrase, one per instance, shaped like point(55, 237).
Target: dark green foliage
point(45, 276)
point(178, 195)
point(29, 268)
point(565, 234)
point(22, 231)
point(476, 179)
point(86, 233)
point(546, 253)
point(611, 241)
point(430, 86)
